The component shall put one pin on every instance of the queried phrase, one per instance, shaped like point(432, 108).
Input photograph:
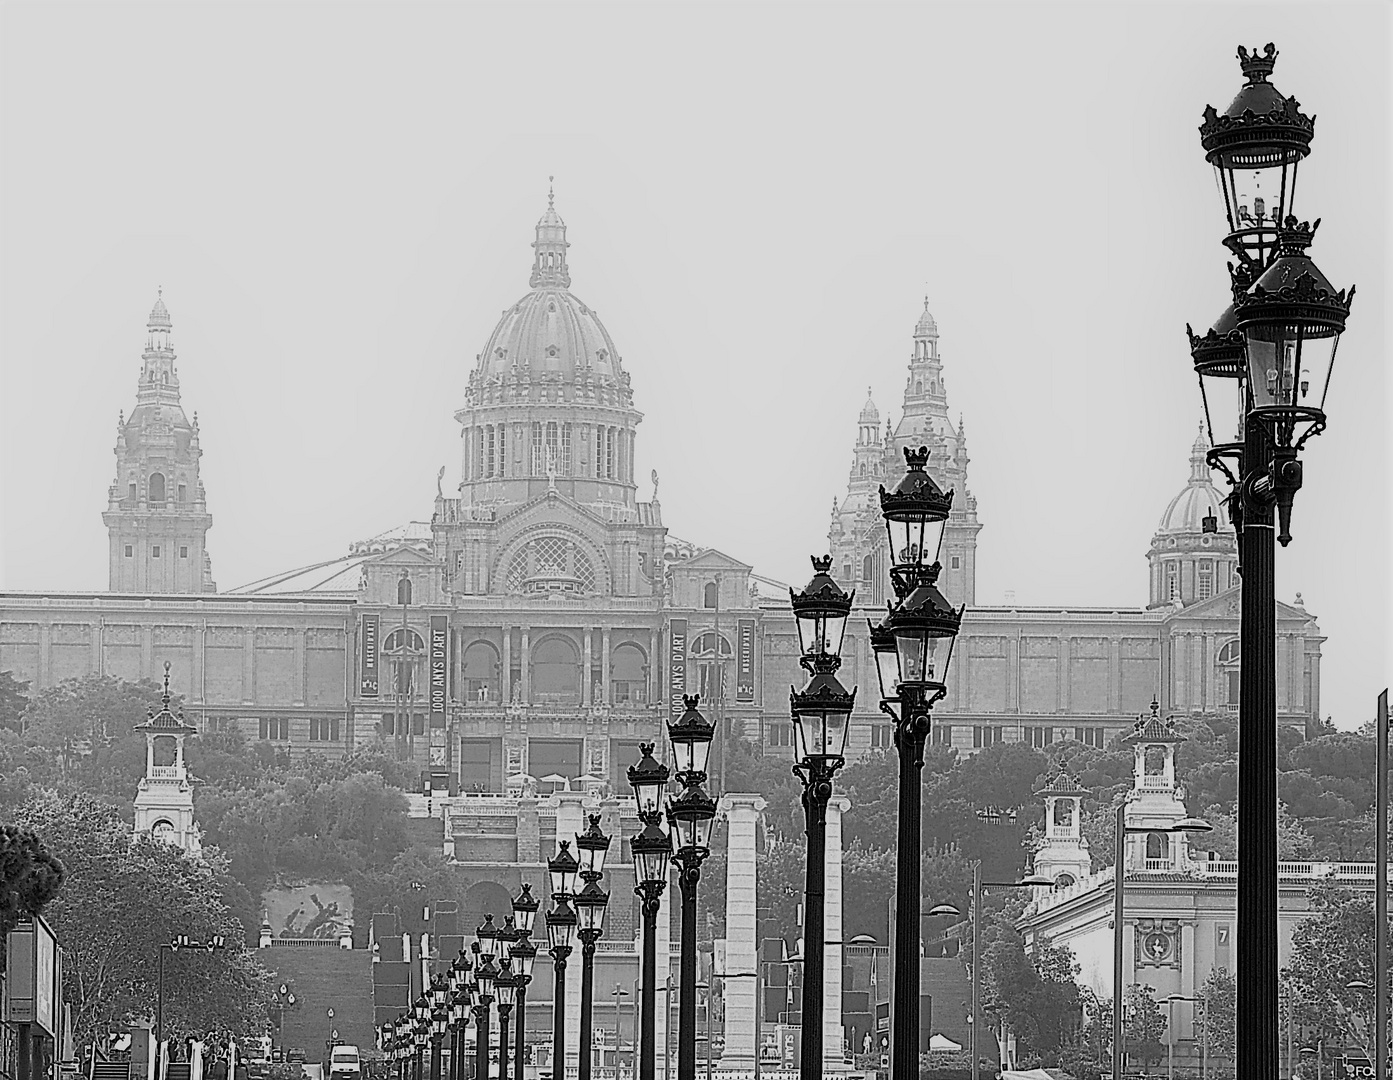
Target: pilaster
point(570, 820)
point(832, 1031)
point(742, 815)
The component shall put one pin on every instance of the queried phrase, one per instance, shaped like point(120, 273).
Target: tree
point(123, 897)
point(1143, 1024)
point(1216, 1013)
point(1330, 950)
point(14, 698)
point(1034, 995)
point(1293, 842)
point(29, 877)
point(88, 724)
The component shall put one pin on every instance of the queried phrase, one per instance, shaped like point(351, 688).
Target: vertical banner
point(439, 685)
point(677, 666)
point(745, 660)
point(367, 656)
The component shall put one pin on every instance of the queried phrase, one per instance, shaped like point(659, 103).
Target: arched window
point(157, 487)
point(555, 672)
point(1172, 581)
point(480, 673)
point(711, 595)
point(919, 388)
point(868, 568)
point(1158, 846)
point(705, 645)
point(628, 678)
point(1229, 671)
point(1063, 881)
point(392, 642)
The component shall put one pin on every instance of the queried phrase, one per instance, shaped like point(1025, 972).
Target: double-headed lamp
point(821, 716)
point(525, 909)
point(505, 986)
point(593, 845)
point(561, 925)
point(651, 850)
point(691, 816)
point(563, 867)
point(590, 907)
point(915, 513)
point(486, 937)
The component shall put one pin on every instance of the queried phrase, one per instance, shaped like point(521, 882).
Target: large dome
point(550, 346)
point(1198, 499)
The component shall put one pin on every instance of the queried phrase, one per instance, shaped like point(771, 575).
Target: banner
point(367, 656)
point(677, 666)
point(745, 660)
point(439, 669)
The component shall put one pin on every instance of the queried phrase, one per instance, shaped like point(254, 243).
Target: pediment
point(402, 555)
point(712, 559)
point(552, 507)
point(1227, 606)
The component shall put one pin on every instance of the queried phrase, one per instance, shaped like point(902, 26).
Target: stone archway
point(484, 898)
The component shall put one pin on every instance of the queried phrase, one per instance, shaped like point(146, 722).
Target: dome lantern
point(549, 268)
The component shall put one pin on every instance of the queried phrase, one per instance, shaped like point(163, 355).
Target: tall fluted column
point(832, 934)
point(570, 820)
point(742, 816)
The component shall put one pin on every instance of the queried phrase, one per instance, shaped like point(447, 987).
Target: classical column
point(297, 642)
point(505, 679)
point(832, 935)
point(742, 815)
point(604, 662)
point(526, 667)
point(570, 820)
point(586, 664)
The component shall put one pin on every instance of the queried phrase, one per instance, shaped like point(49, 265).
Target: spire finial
point(165, 696)
point(551, 192)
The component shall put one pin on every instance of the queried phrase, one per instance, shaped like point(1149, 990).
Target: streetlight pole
point(912, 649)
point(821, 716)
point(1381, 894)
point(524, 954)
point(618, 993)
point(590, 908)
point(486, 944)
point(1170, 1027)
point(651, 850)
point(181, 941)
point(505, 988)
point(1282, 329)
point(562, 923)
point(690, 817)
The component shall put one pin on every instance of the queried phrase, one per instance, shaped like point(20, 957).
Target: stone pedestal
point(742, 816)
point(832, 1058)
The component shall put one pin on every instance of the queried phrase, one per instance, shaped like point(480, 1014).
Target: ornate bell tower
point(1156, 800)
point(164, 800)
point(157, 517)
point(1063, 855)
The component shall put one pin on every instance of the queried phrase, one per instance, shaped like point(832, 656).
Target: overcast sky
point(338, 201)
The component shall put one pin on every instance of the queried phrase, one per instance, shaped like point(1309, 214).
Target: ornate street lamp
point(591, 902)
point(690, 817)
point(420, 1029)
point(912, 648)
point(821, 716)
point(505, 985)
point(1268, 363)
point(561, 932)
point(524, 955)
point(485, 971)
point(651, 849)
point(459, 1009)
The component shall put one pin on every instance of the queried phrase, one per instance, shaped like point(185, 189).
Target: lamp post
point(420, 1033)
point(591, 902)
point(821, 712)
point(618, 993)
point(690, 817)
point(561, 932)
point(1121, 831)
point(459, 1010)
point(1266, 365)
point(524, 954)
point(912, 649)
point(439, 1022)
point(485, 971)
point(651, 849)
point(181, 941)
point(505, 993)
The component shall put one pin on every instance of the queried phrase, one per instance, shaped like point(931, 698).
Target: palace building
point(542, 621)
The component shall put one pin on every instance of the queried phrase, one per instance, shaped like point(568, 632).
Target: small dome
point(1198, 499)
point(926, 327)
point(869, 413)
point(159, 315)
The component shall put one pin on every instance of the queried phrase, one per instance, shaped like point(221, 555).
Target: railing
point(167, 772)
point(1159, 864)
point(1154, 782)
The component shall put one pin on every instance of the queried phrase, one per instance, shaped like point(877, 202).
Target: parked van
point(344, 1062)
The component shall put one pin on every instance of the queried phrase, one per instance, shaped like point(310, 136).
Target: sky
point(338, 202)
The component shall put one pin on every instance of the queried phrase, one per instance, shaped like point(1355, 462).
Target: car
point(295, 1055)
point(344, 1063)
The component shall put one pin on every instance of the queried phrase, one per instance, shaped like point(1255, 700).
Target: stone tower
point(1187, 563)
point(856, 534)
point(1063, 853)
point(157, 518)
point(164, 800)
point(1156, 800)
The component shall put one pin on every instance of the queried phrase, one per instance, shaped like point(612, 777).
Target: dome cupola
point(1188, 561)
point(926, 327)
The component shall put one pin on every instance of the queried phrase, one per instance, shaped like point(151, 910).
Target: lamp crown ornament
point(915, 488)
point(1256, 68)
point(1261, 127)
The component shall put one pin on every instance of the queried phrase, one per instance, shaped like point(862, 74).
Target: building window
point(324, 729)
point(565, 469)
point(183, 493)
point(490, 462)
point(882, 736)
point(955, 562)
point(779, 733)
point(1172, 581)
point(157, 487)
point(275, 728)
point(1090, 736)
point(129, 551)
point(539, 463)
point(131, 492)
point(985, 735)
point(1038, 737)
point(155, 552)
point(386, 726)
point(1204, 584)
point(183, 552)
point(710, 595)
point(941, 734)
